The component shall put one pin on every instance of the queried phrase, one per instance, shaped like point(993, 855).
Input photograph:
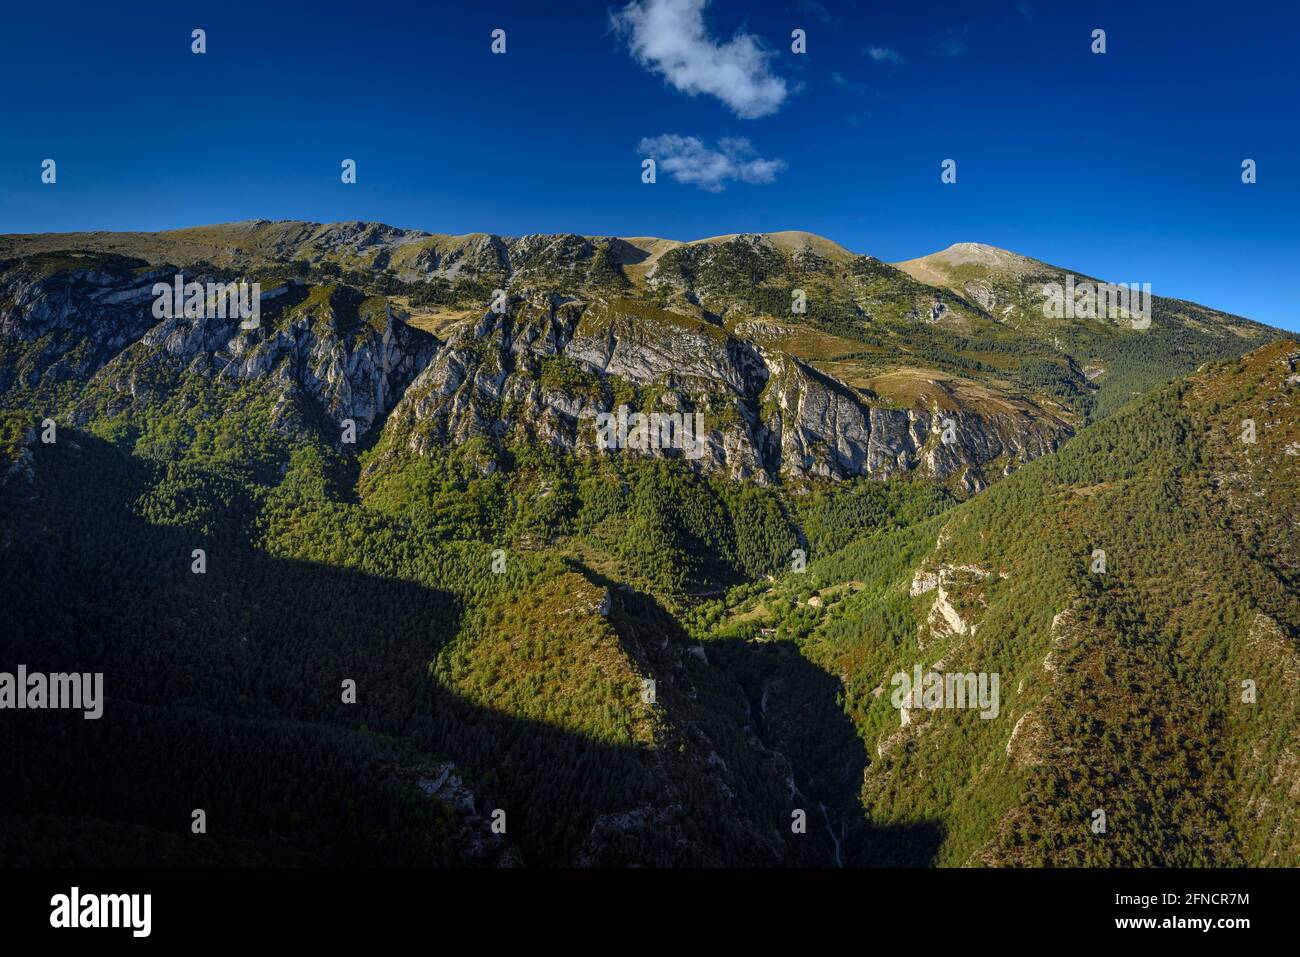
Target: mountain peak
point(937, 267)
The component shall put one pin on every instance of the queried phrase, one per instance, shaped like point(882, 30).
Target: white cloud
point(669, 37)
point(885, 55)
point(854, 86)
point(688, 160)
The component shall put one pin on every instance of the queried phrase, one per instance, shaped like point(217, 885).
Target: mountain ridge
point(22, 243)
point(805, 359)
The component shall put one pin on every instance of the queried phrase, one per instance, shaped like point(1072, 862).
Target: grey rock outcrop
point(540, 372)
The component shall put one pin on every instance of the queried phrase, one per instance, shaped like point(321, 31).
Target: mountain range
point(396, 479)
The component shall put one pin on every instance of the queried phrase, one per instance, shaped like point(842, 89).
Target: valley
point(398, 480)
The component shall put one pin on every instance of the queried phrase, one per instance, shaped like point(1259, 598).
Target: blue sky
point(1124, 165)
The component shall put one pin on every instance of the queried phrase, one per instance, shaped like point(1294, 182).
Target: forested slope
point(1155, 682)
point(372, 652)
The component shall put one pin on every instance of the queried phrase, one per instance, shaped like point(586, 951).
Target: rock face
point(357, 377)
point(959, 598)
point(325, 349)
point(541, 370)
point(475, 844)
point(66, 325)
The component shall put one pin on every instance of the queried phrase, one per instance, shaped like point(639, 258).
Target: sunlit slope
point(1161, 691)
point(1122, 354)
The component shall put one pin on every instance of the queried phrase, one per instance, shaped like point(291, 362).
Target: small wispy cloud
point(688, 160)
point(669, 37)
point(952, 42)
point(884, 55)
point(853, 86)
point(813, 8)
point(1026, 10)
